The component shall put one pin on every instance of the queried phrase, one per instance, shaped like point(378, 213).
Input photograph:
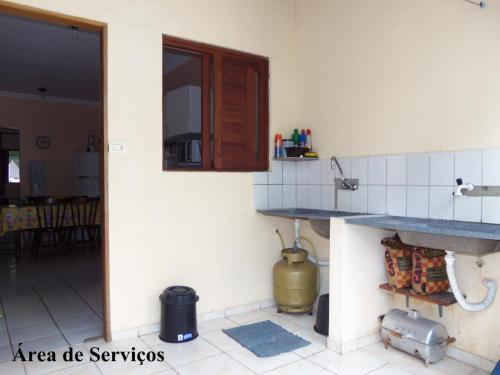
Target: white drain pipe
point(321, 263)
point(479, 306)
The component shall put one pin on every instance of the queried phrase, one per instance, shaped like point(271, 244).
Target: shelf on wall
point(439, 299)
point(296, 159)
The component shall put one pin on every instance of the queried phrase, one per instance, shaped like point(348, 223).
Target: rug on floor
point(266, 339)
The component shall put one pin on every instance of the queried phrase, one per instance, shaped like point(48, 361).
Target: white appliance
point(38, 177)
point(86, 174)
point(183, 114)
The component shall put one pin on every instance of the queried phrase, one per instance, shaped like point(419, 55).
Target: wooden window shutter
point(241, 113)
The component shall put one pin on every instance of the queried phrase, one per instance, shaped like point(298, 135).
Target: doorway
point(61, 160)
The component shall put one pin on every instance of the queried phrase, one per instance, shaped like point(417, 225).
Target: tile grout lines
point(7, 330)
point(45, 305)
point(75, 291)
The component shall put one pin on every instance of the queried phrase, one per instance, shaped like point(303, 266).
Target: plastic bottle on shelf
point(278, 143)
point(309, 139)
point(302, 139)
point(295, 137)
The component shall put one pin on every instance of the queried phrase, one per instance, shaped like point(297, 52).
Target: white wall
point(198, 229)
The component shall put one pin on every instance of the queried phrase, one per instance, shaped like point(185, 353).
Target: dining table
point(13, 219)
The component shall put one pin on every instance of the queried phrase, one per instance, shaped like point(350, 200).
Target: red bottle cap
point(277, 136)
point(308, 132)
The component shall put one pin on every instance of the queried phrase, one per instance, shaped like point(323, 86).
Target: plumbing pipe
point(297, 232)
point(321, 263)
point(281, 239)
point(315, 259)
point(478, 306)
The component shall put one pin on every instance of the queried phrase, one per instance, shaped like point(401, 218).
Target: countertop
point(431, 226)
point(303, 213)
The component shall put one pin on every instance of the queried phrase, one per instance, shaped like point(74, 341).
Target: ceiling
point(36, 54)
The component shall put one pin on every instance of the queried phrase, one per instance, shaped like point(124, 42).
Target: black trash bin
point(178, 314)
point(322, 316)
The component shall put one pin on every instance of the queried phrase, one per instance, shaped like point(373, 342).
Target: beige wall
point(198, 229)
point(380, 77)
point(67, 126)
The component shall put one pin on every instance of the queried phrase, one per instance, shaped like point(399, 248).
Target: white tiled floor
point(49, 303)
point(213, 352)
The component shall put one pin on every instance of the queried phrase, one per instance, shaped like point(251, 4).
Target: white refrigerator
point(86, 174)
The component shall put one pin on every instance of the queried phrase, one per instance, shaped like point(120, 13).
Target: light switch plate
point(117, 147)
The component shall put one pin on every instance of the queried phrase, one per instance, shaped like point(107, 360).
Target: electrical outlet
point(117, 147)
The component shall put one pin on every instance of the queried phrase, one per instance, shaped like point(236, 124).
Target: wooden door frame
point(101, 28)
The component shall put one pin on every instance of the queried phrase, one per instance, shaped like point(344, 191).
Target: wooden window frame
point(211, 58)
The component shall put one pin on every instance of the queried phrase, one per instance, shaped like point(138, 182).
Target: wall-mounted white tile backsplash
point(442, 166)
point(491, 167)
point(260, 197)
point(377, 170)
point(417, 168)
point(377, 196)
point(396, 170)
point(416, 185)
point(468, 166)
point(343, 200)
point(491, 210)
point(302, 194)
point(289, 195)
point(359, 199)
point(313, 172)
point(417, 201)
point(275, 176)
point(275, 196)
point(345, 164)
point(359, 169)
point(327, 173)
point(441, 202)
point(396, 200)
point(289, 173)
point(327, 199)
point(314, 197)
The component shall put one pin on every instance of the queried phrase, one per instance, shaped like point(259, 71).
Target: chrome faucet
point(342, 182)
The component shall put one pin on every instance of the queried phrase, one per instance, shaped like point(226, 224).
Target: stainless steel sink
point(319, 219)
point(460, 245)
point(321, 227)
point(462, 237)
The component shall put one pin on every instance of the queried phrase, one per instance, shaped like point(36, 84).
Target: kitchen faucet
point(342, 182)
point(471, 190)
point(461, 187)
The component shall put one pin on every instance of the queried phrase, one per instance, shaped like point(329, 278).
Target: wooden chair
point(84, 231)
point(51, 231)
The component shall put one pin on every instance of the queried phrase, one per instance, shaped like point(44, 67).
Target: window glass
point(182, 80)
point(215, 108)
point(14, 167)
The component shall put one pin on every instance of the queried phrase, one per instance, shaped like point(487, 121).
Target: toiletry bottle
point(302, 139)
point(295, 137)
point(278, 143)
point(309, 140)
